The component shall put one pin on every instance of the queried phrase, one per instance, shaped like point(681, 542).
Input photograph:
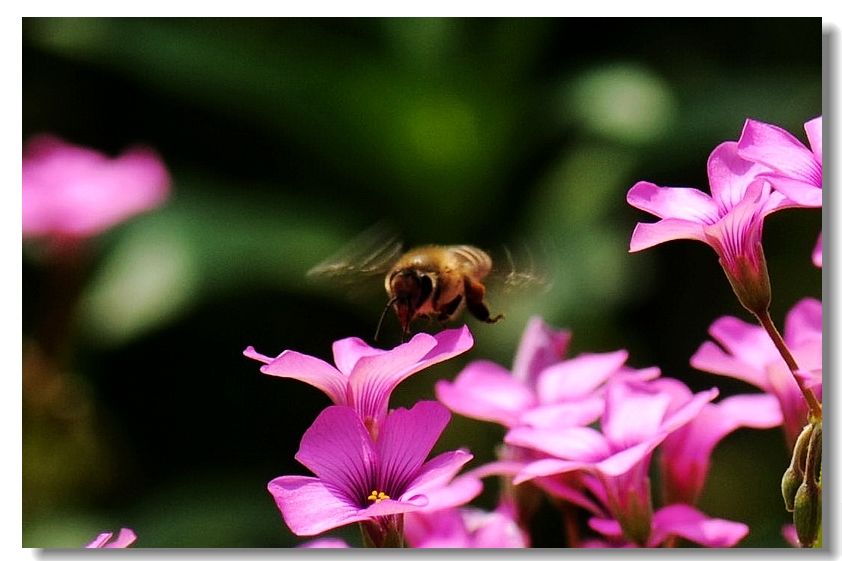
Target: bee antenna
point(380, 323)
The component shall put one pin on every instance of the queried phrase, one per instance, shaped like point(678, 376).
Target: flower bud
point(789, 486)
point(794, 475)
point(808, 513)
point(749, 279)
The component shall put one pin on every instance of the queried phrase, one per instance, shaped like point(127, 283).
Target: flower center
point(378, 496)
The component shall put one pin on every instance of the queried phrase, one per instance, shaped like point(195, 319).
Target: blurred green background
point(287, 137)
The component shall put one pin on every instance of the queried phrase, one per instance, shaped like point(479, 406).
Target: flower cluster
point(767, 169)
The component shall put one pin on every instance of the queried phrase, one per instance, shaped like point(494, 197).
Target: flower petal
point(375, 376)
point(646, 235)
point(435, 482)
point(406, 438)
point(540, 346)
point(346, 353)
point(308, 369)
point(690, 524)
point(573, 443)
point(124, 539)
point(684, 203)
point(817, 252)
point(803, 323)
point(338, 449)
point(633, 413)
point(578, 377)
point(310, 507)
point(568, 414)
point(813, 129)
point(774, 147)
point(548, 466)
point(486, 391)
point(730, 176)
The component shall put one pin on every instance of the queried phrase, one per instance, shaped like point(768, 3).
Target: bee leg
point(474, 295)
point(448, 309)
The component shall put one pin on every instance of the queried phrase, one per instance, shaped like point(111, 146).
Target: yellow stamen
point(378, 496)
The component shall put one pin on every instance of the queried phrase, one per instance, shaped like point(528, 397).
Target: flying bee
point(436, 282)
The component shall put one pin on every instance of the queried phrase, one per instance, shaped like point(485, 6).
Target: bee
point(438, 282)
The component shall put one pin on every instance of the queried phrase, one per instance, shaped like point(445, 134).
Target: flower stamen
point(378, 496)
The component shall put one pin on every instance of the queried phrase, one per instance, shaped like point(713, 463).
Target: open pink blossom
point(360, 479)
point(796, 171)
point(685, 454)
point(677, 520)
point(543, 388)
point(70, 191)
point(464, 528)
point(364, 377)
point(124, 539)
point(730, 220)
point(636, 420)
point(744, 351)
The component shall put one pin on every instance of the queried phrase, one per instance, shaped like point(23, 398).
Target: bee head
point(410, 289)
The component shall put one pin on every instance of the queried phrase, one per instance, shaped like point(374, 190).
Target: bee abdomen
point(475, 260)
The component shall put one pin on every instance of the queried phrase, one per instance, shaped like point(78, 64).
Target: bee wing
point(371, 253)
point(516, 271)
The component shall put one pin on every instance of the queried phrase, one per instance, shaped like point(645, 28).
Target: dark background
point(287, 137)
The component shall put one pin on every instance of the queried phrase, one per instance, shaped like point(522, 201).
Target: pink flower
point(464, 528)
point(542, 389)
point(796, 170)
point(744, 351)
point(73, 192)
point(125, 538)
point(681, 521)
point(364, 377)
point(636, 420)
point(359, 479)
point(325, 543)
point(685, 453)
point(730, 220)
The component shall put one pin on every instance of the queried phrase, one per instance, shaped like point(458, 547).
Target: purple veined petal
point(738, 234)
point(124, 539)
point(680, 203)
point(577, 377)
point(712, 359)
point(338, 449)
point(633, 413)
point(817, 253)
point(813, 128)
point(574, 443)
point(374, 377)
point(305, 368)
point(647, 235)
point(795, 192)
point(774, 147)
point(730, 176)
point(310, 507)
point(568, 414)
point(687, 522)
point(387, 507)
point(406, 438)
point(540, 346)
point(486, 391)
point(548, 466)
point(461, 490)
point(346, 353)
point(325, 543)
point(439, 471)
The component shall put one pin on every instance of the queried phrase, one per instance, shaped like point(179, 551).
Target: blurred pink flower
point(125, 538)
point(796, 170)
point(464, 528)
point(677, 520)
point(359, 479)
point(325, 543)
point(730, 220)
point(73, 192)
point(364, 377)
point(636, 420)
point(744, 351)
point(685, 454)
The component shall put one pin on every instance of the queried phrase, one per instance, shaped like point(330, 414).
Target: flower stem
point(766, 321)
